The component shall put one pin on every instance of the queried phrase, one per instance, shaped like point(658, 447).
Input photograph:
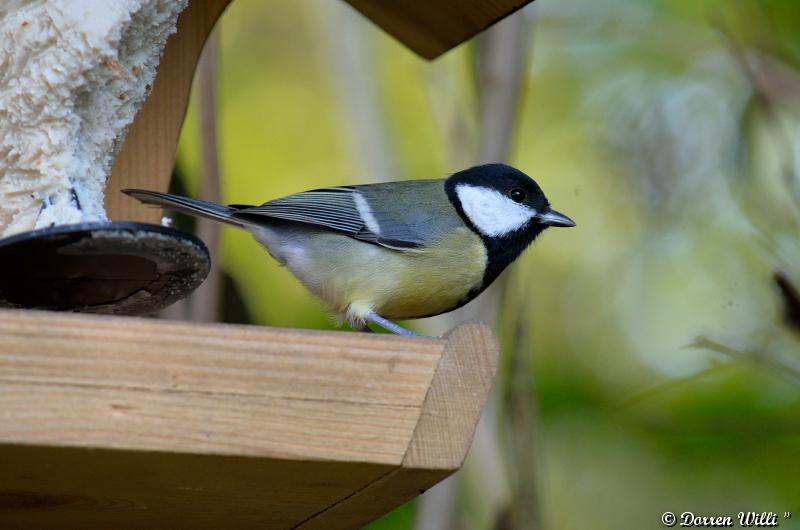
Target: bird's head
point(501, 202)
point(505, 207)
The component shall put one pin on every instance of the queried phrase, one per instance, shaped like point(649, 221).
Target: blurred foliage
point(669, 129)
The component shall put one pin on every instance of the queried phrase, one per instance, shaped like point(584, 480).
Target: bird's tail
point(195, 207)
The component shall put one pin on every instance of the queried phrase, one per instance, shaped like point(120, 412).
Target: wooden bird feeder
point(123, 422)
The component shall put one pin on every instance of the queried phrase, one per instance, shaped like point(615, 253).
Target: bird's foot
point(388, 325)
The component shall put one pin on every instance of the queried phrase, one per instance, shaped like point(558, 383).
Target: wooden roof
point(431, 27)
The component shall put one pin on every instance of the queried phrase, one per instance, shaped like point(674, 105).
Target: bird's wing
point(396, 216)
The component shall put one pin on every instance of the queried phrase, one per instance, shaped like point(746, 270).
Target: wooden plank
point(442, 436)
point(432, 27)
point(132, 383)
point(56, 487)
point(455, 399)
point(121, 422)
point(148, 154)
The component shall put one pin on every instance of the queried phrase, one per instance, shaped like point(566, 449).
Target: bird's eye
point(517, 195)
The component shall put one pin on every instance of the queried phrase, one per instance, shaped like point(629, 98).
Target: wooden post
point(148, 155)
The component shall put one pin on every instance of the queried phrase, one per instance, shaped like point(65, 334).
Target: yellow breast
point(354, 277)
point(424, 282)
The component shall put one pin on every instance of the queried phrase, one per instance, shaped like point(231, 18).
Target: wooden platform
point(112, 422)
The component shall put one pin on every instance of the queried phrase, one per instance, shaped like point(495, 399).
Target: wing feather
point(399, 227)
point(332, 208)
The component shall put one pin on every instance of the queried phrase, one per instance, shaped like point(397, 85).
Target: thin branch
point(524, 510)
point(782, 367)
point(204, 305)
point(502, 54)
point(768, 79)
point(350, 61)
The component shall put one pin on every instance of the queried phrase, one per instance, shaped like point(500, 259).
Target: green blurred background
point(649, 360)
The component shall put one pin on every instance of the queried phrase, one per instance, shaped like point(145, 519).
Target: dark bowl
point(114, 268)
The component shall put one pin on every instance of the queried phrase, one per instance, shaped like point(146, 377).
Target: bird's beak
point(554, 218)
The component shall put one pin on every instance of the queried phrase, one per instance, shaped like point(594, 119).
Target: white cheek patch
point(366, 214)
point(492, 213)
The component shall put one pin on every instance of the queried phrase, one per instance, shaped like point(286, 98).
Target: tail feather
point(186, 205)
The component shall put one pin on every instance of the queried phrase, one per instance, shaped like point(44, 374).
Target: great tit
point(397, 250)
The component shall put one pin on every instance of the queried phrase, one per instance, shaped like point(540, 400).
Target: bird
point(377, 253)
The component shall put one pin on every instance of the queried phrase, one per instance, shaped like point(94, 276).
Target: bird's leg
point(388, 325)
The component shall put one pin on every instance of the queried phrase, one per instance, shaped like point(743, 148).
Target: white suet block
point(73, 74)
